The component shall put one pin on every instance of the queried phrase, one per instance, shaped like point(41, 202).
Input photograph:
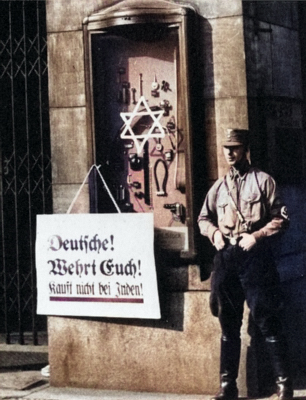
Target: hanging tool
point(134, 95)
point(171, 124)
point(165, 86)
point(155, 87)
point(140, 85)
point(135, 162)
point(169, 155)
point(165, 105)
point(146, 175)
point(159, 146)
point(161, 190)
point(177, 210)
point(125, 92)
point(121, 71)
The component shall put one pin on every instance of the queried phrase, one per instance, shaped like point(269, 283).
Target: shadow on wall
point(204, 136)
point(292, 269)
point(291, 257)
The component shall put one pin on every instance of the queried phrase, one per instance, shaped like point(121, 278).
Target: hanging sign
point(96, 265)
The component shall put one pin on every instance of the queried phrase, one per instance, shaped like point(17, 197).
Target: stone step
point(22, 356)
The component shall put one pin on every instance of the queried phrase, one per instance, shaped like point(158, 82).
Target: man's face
point(234, 154)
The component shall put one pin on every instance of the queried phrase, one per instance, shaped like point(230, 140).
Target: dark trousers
point(252, 276)
point(246, 275)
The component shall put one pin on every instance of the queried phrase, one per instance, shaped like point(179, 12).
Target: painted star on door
point(131, 119)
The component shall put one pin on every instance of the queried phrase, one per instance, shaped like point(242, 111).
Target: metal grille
point(25, 168)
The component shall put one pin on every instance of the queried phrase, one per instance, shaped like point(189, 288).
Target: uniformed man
point(242, 210)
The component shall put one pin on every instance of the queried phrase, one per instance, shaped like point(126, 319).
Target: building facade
point(250, 63)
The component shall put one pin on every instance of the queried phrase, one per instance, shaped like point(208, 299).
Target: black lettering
point(128, 290)
point(66, 244)
point(60, 288)
point(95, 244)
point(53, 267)
point(79, 268)
point(74, 245)
point(106, 267)
point(84, 242)
point(55, 242)
point(104, 244)
point(85, 289)
point(130, 269)
point(58, 267)
point(119, 269)
point(104, 289)
point(52, 287)
point(88, 266)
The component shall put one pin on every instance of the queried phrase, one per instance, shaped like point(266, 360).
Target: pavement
point(31, 385)
point(21, 378)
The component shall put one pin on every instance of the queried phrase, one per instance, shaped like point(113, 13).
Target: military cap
point(236, 137)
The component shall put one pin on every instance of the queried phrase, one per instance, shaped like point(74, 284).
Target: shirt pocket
point(251, 206)
point(222, 207)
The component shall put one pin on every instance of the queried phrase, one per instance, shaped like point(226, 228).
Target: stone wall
point(177, 354)
point(71, 147)
point(222, 46)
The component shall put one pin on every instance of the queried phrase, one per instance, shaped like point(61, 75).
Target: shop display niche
point(139, 111)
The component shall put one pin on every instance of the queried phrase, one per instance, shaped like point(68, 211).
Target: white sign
point(96, 265)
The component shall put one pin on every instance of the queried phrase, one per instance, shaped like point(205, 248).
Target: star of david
point(156, 130)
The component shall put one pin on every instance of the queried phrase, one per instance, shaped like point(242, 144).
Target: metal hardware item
point(161, 190)
point(140, 85)
point(177, 210)
point(169, 155)
point(136, 185)
point(155, 84)
point(165, 105)
point(165, 86)
point(159, 147)
point(155, 87)
point(120, 193)
point(139, 195)
point(121, 71)
point(135, 162)
point(171, 124)
point(133, 95)
point(233, 240)
point(154, 93)
point(125, 92)
point(128, 145)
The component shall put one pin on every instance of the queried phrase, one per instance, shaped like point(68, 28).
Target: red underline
point(97, 299)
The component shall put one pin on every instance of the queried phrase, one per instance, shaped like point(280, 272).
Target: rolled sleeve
point(207, 219)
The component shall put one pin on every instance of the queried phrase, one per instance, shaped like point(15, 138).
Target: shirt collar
point(240, 171)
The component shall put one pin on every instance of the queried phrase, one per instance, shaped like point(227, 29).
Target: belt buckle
point(233, 241)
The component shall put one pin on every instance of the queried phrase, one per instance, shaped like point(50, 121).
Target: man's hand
point(218, 240)
point(247, 241)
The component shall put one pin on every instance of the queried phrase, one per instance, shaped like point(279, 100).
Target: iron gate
point(25, 188)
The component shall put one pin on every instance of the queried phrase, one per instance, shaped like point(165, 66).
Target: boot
point(277, 351)
point(228, 389)
point(229, 365)
point(284, 388)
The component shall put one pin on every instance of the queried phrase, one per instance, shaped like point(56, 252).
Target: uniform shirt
point(255, 195)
